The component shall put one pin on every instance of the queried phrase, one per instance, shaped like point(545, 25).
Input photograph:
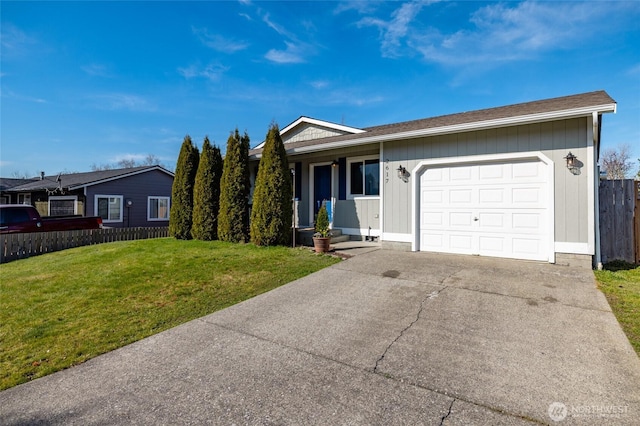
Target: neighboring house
point(492, 182)
point(138, 196)
point(9, 198)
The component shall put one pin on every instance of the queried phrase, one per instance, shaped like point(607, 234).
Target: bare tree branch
point(149, 160)
point(616, 162)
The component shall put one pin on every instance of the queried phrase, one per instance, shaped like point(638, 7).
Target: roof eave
point(457, 128)
point(317, 122)
point(101, 181)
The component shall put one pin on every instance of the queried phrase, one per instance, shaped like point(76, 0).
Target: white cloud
point(122, 101)
point(362, 7)
point(347, 97)
point(20, 97)
point(635, 70)
point(497, 33)
point(13, 38)
point(319, 84)
point(97, 70)
point(296, 51)
point(218, 42)
point(277, 27)
point(291, 55)
point(333, 94)
point(393, 32)
point(211, 72)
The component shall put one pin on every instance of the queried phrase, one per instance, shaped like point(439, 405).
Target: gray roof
point(566, 103)
point(78, 180)
point(8, 183)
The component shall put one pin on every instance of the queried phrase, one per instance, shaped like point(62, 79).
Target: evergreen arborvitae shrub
point(322, 222)
point(272, 197)
point(233, 217)
point(180, 218)
point(206, 193)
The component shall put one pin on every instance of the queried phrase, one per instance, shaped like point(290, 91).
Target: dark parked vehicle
point(16, 218)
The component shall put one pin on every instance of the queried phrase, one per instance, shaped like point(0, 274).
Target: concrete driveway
point(383, 338)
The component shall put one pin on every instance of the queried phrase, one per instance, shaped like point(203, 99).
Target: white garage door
point(496, 209)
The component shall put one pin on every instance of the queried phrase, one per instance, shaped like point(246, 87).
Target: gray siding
point(305, 132)
point(358, 214)
point(135, 188)
point(553, 139)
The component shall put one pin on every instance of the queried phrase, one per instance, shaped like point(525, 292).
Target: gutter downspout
point(596, 145)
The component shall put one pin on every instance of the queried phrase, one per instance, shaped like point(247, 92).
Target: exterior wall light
point(403, 173)
point(334, 163)
point(572, 163)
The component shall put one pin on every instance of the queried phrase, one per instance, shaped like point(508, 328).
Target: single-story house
point(517, 181)
point(129, 197)
point(8, 183)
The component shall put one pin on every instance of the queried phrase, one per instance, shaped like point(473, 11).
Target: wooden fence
point(20, 246)
point(619, 220)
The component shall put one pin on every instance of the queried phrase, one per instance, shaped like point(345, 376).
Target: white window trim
point(351, 196)
point(95, 207)
point(158, 197)
point(63, 197)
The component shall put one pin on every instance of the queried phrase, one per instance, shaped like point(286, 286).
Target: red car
point(16, 218)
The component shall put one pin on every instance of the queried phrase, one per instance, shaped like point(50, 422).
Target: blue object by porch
point(342, 178)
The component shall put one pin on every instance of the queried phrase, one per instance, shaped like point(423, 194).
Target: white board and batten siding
point(491, 209)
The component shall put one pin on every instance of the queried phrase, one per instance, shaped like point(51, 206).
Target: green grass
point(621, 285)
point(61, 309)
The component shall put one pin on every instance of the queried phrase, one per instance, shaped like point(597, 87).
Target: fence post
point(636, 215)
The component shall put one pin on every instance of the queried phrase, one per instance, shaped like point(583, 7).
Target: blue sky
point(87, 83)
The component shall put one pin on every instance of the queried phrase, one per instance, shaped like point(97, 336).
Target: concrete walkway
point(382, 338)
point(348, 249)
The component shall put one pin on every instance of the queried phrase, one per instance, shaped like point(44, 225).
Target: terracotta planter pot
point(321, 244)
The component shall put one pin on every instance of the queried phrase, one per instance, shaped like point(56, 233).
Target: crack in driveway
point(448, 412)
point(429, 296)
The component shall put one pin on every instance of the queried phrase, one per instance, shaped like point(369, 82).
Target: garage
point(500, 209)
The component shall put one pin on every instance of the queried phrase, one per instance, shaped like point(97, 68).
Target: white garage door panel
point(496, 209)
point(492, 244)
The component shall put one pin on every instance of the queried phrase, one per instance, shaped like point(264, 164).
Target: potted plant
point(322, 236)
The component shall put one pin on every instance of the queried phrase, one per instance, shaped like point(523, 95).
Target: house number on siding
point(386, 173)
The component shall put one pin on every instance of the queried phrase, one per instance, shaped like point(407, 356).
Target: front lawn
point(621, 285)
point(63, 308)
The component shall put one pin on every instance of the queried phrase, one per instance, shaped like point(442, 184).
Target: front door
point(321, 186)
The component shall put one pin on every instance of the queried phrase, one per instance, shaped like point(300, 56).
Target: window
point(24, 199)
point(158, 208)
point(364, 177)
point(11, 216)
point(109, 208)
point(63, 206)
